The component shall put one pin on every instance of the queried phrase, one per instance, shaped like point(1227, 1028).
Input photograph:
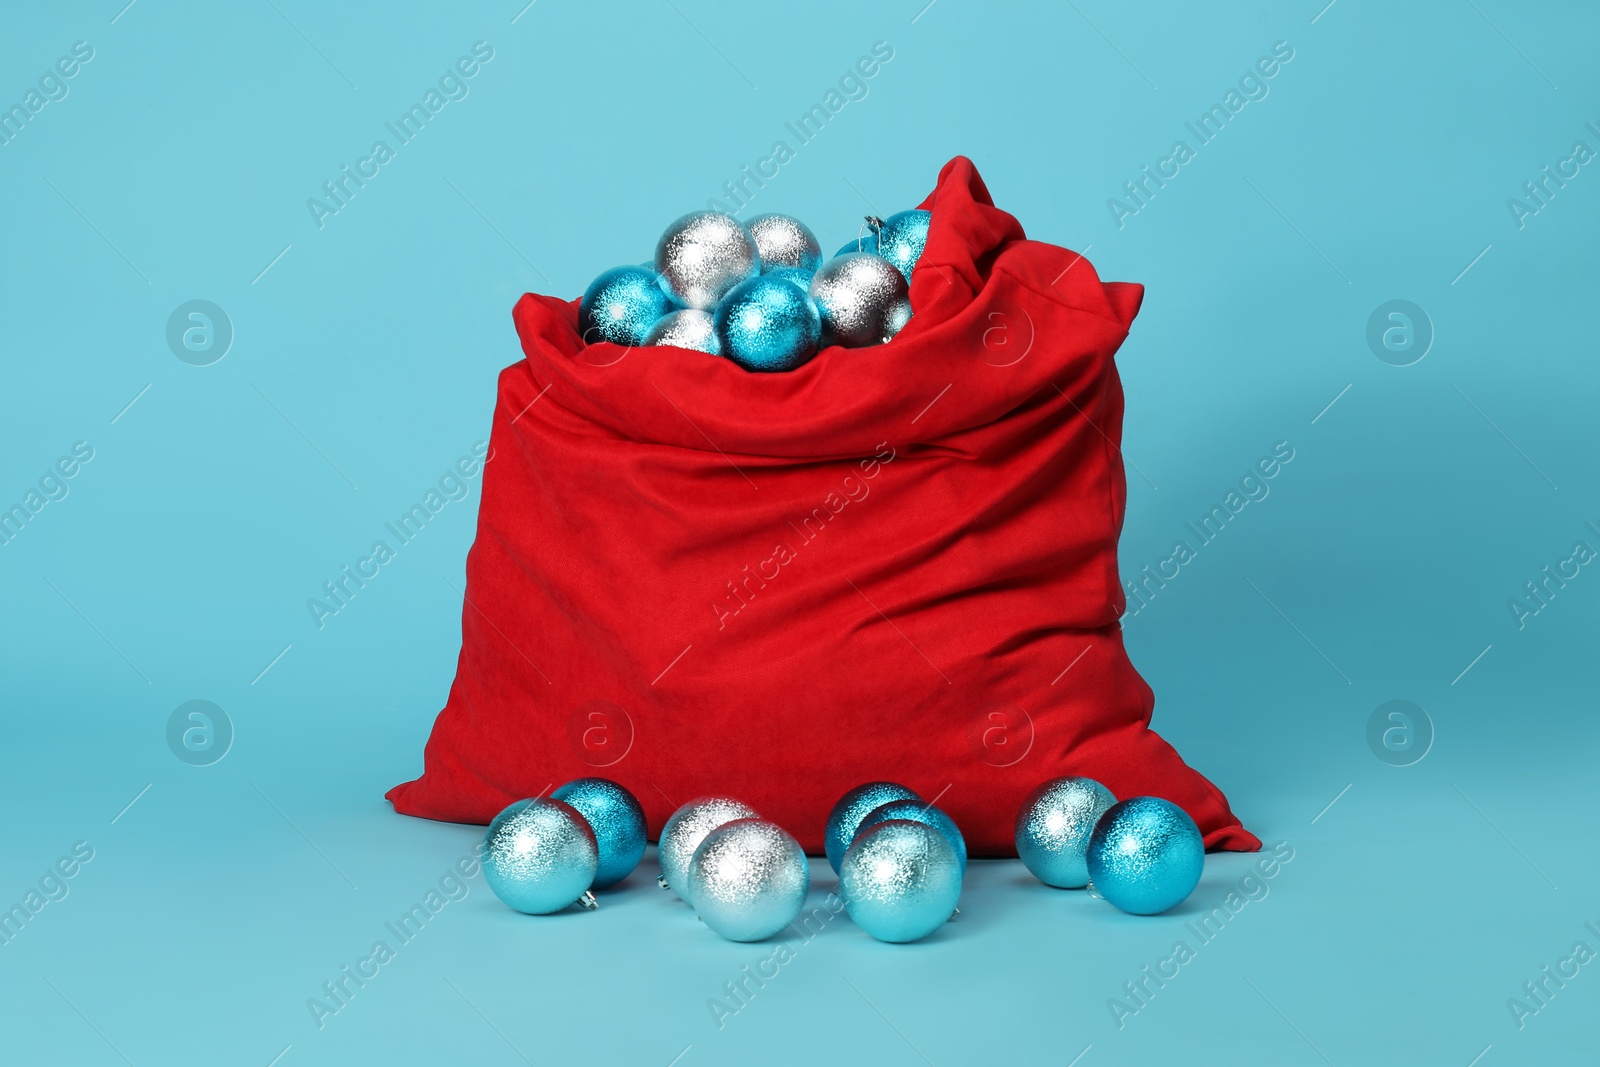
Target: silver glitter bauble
point(1053, 828)
point(690, 328)
point(845, 818)
point(685, 830)
point(918, 811)
point(863, 300)
point(900, 880)
point(784, 241)
point(749, 879)
point(702, 256)
point(540, 857)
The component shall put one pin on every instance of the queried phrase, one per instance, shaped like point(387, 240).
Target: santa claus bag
point(896, 562)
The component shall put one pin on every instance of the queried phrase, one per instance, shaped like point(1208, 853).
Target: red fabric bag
point(895, 562)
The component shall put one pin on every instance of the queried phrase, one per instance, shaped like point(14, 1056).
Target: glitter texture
point(690, 328)
point(846, 816)
point(686, 829)
point(1146, 855)
point(702, 256)
point(784, 241)
point(621, 305)
point(539, 856)
point(900, 880)
point(862, 300)
point(800, 277)
point(749, 879)
point(1053, 828)
point(902, 237)
point(917, 811)
point(617, 820)
point(768, 324)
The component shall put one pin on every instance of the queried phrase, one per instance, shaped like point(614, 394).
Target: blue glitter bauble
point(867, 242)
point(1053, 828)
point(617, 820)
point(768, 324)
point(845, 818)
point(1146, 855)
point(621, 305)
point(902, 237)
point(917, 811)
point(749, 879)
point(896, 320)
point(900, 880)
point(685, 830)
point(800, 277)
point(540, 856)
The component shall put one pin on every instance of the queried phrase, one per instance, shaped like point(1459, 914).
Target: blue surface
point(1377, 568)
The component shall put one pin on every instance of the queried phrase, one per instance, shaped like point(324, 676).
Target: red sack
point(895, 562)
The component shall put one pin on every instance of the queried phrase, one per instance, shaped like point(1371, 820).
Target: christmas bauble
point(768, 324)
point(1145, 855)
point(1053, 828)
point(748, 879)
point(702, 256)
point(867, 242)
point(917, 811)
point(689, 328)
point(621, 305)
point(846, 816)
point(540, 857)
point(784, 241)
point(802, 278)
point(685, 830)
point(617, 820)
point(900, 880)
point(862, 300)
point(902, 237)
point(895, 321)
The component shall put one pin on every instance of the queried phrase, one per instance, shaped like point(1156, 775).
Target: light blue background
point(363, 365)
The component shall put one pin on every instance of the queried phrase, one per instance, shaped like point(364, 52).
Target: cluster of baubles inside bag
point(758, 293)
point(900, 860)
